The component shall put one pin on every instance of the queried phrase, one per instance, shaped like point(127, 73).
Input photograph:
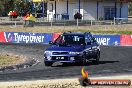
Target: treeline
point(130, 9)
point(20, 6)
point(24, 6)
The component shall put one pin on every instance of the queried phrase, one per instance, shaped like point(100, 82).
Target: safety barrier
point(44, 38)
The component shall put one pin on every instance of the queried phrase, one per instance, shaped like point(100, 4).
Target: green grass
point(96, 29)
point(107, 32)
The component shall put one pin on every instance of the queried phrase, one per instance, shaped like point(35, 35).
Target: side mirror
point(84, 44)
point(50, 42)
point(88, 43)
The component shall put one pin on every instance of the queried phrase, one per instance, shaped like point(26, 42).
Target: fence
point(55, 22)
point(120, 20)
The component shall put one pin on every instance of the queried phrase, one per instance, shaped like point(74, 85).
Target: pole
point(51, 22)
point(91, 22)
point(77, 23)
point(15, 22)
point(55, 11)
point(97, 8)
point(67, 7)
point(120, 8)
point(114, 20)
point(115, 8)
point(79, 5)
point(43, 9)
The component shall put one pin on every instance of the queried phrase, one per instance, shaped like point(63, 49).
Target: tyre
point(84, 82)
point(65, 64)
point(96, 61)
point(48, 63)
point(84, 59)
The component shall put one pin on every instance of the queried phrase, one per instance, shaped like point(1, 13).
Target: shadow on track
point(87, 64)
point(104, 62)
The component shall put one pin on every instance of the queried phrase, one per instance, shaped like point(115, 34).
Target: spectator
point(12, 14)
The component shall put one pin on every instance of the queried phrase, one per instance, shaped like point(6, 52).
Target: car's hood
point(75, 48)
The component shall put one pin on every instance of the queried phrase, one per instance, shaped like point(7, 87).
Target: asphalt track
point(115, 60)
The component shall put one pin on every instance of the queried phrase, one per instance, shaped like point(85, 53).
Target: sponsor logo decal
point(9, 37)
point(86, 81)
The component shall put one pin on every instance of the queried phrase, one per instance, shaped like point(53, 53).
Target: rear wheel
point(84, 59)
point(48, 63)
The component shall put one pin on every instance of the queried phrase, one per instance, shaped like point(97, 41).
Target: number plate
point(60, 58)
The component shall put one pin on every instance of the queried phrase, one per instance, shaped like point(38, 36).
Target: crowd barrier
point(44, 38)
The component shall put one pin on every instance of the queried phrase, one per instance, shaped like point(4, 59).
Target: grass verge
point(9, 59)
point(96, 29)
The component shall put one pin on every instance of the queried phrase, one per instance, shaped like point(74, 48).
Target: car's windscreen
point(70, 40)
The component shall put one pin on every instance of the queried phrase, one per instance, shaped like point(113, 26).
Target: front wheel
point(96, 61)
point(48, 63)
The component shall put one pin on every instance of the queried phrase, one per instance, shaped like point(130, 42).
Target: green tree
point(130, 9)
point(20, 6)
point(2, 6)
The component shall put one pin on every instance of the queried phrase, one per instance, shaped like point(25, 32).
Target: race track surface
point(114, 60)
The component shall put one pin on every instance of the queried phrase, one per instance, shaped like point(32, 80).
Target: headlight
point(74, 52)
point(48, 52)
point(48, 57)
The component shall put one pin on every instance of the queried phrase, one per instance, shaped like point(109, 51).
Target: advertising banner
point(2, 37)
point(20, 37)
point(126, 40)
point(16, 37)
point(108, 39)
point(55, 36)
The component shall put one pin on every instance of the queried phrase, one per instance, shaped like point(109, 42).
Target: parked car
point(73, 48)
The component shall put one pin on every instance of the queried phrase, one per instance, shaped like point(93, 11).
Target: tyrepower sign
point(16, 37)
point(108, 39)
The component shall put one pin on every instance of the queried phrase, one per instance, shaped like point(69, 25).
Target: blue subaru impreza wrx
point(72, 48)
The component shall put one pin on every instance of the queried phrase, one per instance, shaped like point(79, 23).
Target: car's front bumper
point(63, 58)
